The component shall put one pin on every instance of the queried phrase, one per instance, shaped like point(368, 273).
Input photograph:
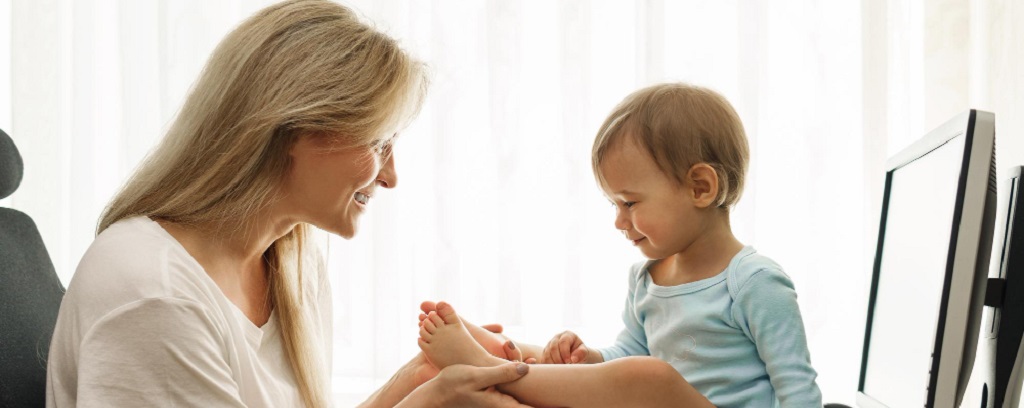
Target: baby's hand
point(566, 348)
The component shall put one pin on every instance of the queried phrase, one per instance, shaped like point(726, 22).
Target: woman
point(202, 287)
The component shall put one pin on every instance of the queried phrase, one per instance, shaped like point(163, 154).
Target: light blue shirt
point(737, 337)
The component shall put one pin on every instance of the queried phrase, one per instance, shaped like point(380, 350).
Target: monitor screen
point(928, 281)
point(922, 198)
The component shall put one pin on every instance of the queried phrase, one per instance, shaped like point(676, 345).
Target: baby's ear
point(702, 185)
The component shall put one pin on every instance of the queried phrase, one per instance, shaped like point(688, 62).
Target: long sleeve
point(767, 311)
point(632, 341)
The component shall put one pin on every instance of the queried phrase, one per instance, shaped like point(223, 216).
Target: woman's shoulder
point(129, 234)
point(131, 260)
point(132, 246)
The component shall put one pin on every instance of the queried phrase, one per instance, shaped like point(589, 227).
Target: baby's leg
point(626, 382)
point(446, 341)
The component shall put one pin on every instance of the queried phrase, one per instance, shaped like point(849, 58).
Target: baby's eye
point(626, 204)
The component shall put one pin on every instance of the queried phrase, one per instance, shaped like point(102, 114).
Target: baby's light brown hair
point(680, 125)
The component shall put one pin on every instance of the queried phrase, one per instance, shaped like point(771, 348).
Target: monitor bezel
point(956, 313)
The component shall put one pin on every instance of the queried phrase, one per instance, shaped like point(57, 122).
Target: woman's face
point(330, 186)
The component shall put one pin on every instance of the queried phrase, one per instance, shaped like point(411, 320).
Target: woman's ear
point(702, 185)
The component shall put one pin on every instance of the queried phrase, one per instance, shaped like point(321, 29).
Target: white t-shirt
point(142, 324)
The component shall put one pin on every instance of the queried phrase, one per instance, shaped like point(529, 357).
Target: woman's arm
point(419, 385)
point(408, 378)
point(468, 386)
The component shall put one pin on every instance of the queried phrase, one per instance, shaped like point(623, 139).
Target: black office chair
point(30, 295)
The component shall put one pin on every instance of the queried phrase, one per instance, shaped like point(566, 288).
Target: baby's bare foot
point(446, 341)
point(495, 344)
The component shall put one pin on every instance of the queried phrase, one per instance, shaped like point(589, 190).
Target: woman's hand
point(512, 353)
point(467, 386)
point(418, 371)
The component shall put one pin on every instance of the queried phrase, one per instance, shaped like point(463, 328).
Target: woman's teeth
point(362, 198)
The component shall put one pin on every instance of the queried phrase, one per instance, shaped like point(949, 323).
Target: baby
point(671, 159)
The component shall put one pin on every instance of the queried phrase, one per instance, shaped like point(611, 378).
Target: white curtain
point(496, 209)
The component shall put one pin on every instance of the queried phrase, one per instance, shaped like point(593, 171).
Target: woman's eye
point(383, 147)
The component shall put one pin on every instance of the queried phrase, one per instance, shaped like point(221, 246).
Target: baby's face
point(653, 211)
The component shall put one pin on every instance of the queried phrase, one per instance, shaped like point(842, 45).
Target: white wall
point(827, 90)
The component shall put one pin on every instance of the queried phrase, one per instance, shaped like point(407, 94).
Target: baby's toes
point(429, 327)
point(447, 313)
point(434, 319)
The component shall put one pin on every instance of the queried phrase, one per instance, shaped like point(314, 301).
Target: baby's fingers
point(551, 353)
point(579, 355)
point(565, 343)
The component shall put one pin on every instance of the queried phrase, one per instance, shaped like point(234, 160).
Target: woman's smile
point(362, 198)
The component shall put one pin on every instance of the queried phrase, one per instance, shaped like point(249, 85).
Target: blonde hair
point(680, 125)
point(300, 67)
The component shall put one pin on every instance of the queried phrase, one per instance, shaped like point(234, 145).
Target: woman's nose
point(388, 177)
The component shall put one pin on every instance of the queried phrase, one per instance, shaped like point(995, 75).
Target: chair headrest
point(11, 166)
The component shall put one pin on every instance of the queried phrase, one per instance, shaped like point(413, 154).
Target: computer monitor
point(929, 273)
point(1001, 358)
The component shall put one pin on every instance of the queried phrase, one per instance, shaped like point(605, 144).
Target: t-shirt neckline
point(253, 332)
point(695, 286)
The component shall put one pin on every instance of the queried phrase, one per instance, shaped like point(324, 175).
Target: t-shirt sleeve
point(767, 311)
point(632, 341)
point(156, 352)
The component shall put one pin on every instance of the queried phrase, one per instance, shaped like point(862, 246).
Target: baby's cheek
point(647, 228)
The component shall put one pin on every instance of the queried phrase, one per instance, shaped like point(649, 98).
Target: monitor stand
point(1003, 321)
